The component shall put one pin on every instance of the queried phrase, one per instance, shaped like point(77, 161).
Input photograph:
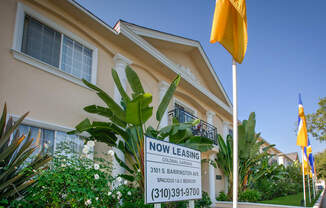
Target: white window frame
point(48, 126)
point(22, 11)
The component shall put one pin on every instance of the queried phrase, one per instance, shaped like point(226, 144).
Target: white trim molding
point(46, 67)
point(22, 10)
point(179, 40)
point(42, 124)
point(129, 33)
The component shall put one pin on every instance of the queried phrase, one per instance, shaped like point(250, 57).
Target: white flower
point(109, 184)
point(119, 193)
point(96, 176)
point(63, 165)
point(96, 166)
point(109, 193)
point(111, 152)
point(125, 182)
point(96, 198)
point(90, 144)
point(129, 193)
point(119, 179)
point(138, 170)
point(85, 149)
point(64, 196)
point(88, 202)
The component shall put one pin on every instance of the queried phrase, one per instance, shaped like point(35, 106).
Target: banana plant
point(250, 151)
point(224, 160)
point(127, 126)
point(15, 174)
point(250, 154)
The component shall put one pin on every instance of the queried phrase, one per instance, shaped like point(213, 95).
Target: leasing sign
point(172, 172)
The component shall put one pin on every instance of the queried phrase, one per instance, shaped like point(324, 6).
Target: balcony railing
point(202, 129)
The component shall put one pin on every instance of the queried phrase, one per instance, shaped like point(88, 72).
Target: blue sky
point(285, 55)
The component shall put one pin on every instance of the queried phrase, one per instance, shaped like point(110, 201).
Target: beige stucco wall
point(58, 101)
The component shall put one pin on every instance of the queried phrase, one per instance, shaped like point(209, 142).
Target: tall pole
point(313, 186)
point(304, 184)
point(309, 188)
point(235, 135)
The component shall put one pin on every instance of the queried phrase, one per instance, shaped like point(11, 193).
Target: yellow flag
point(230, 27)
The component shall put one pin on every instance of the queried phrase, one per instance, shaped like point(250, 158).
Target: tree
point(316, 122)
point(320, 162)
point(128, 122)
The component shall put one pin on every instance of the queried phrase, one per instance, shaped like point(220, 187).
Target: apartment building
point(48, 46)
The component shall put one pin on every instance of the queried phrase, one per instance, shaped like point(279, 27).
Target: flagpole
point(309, 188)
point(313, 186)
point(235, 135)
point(304, 184)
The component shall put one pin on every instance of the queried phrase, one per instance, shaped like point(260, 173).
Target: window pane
point(41, 41)
point(76, 59)
point(74, 141)
point(46, 139)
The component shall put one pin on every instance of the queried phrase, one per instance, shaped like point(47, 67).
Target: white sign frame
point(185, 186)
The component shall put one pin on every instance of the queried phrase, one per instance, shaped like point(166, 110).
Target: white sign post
point(172, 172)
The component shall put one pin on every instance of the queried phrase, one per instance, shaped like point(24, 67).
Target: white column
point(211, 177)
point(226, 126)
point(210, 117)
point(163, 86)
point(120, 63)
point(281, 160)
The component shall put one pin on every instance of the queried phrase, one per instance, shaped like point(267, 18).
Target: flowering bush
point(74, 181)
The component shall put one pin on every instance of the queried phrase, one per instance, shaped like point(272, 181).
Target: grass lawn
point(292, 200)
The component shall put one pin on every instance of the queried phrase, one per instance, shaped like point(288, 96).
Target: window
point(43, 43)
point(50, 139)
point(184, 114)
point(231, 132)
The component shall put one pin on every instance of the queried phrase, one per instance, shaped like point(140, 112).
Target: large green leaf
point(130, 178)
point(134, 81)
point(167, 98)
point(118, 84)
point(138, 111)
point(123, 164)
point(105, 112)
point(199, 143)
point(134, 139)
point(114, 107)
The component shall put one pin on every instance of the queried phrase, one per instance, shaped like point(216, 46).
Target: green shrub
point(250, 195)
point(205, 201)
point(77, 181)
point(222, 197)
point(177, 204)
